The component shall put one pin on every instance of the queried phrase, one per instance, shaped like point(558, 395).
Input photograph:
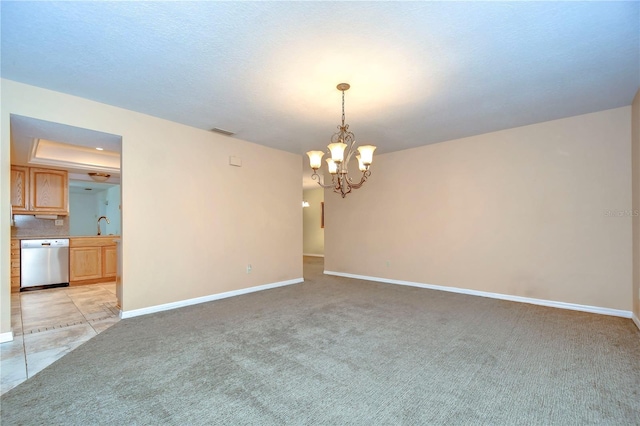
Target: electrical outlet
point(388, 263)
point(59, 222)
point(249, 268)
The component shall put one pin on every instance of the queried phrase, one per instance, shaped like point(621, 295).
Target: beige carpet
point(341, 351)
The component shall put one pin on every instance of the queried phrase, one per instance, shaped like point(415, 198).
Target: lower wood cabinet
point(92, 260)
point(15, 265)
point(85, 263)
point(109, 261)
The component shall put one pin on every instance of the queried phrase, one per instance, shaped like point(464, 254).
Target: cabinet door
point(15, 284)
point(49, 191)
point(19, 189)
point(15, 266)
point(85, 263)
point(109, 261)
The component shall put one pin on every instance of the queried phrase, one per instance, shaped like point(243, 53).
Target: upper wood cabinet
point(19, 189)
point(49, 190)
point(36, 190)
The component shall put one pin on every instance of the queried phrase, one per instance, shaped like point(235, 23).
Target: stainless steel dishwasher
point(44, 263)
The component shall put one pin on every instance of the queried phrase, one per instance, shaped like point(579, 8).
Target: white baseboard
point(541, 302)
point(6, 337)
point(636, 320)
point(204, 299)
point(313, 255)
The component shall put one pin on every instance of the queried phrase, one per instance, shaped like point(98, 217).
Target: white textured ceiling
point(421, 72)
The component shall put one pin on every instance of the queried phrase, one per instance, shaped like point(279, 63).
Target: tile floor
point(48, 324)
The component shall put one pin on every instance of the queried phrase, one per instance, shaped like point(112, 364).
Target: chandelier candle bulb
point(315, 159)
point(333, 167)
point(337, 151)
point(366, 153)
point(341, 149)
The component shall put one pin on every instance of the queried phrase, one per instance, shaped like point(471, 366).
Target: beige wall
point(313, 234)
point(524, 212)
point(5, 225)
point(635, 141)
point(190, 222)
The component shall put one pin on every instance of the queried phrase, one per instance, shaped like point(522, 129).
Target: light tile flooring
point(48, 324)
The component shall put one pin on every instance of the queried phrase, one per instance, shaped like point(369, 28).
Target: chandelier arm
point(363, 179)
point(349, 138)
point(337, 187)
point(315, 176)
point(342, 187)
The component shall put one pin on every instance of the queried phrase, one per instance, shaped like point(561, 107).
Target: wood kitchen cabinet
point(37, 190)
point(85, 263)
point(92, 260)
point(15, 265)
point(109, 261)
point(19, 189)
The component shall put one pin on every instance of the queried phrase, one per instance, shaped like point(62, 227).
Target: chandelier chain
point(343, 118)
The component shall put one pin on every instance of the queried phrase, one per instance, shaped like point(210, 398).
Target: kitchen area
point(65, 240)
point(61, 231)
point(65, 205)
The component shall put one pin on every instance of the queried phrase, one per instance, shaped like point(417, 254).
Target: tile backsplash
point(30, 226)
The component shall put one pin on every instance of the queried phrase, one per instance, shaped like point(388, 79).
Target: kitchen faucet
point(99, 219)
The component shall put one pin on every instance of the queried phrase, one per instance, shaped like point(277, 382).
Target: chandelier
point(341, 141)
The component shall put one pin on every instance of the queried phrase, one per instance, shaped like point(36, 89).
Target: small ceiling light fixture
point(339, 162)
point(305, 204)
point(99, 177)
point(100, 149)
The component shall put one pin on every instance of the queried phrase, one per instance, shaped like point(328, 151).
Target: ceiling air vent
point(222, 131)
